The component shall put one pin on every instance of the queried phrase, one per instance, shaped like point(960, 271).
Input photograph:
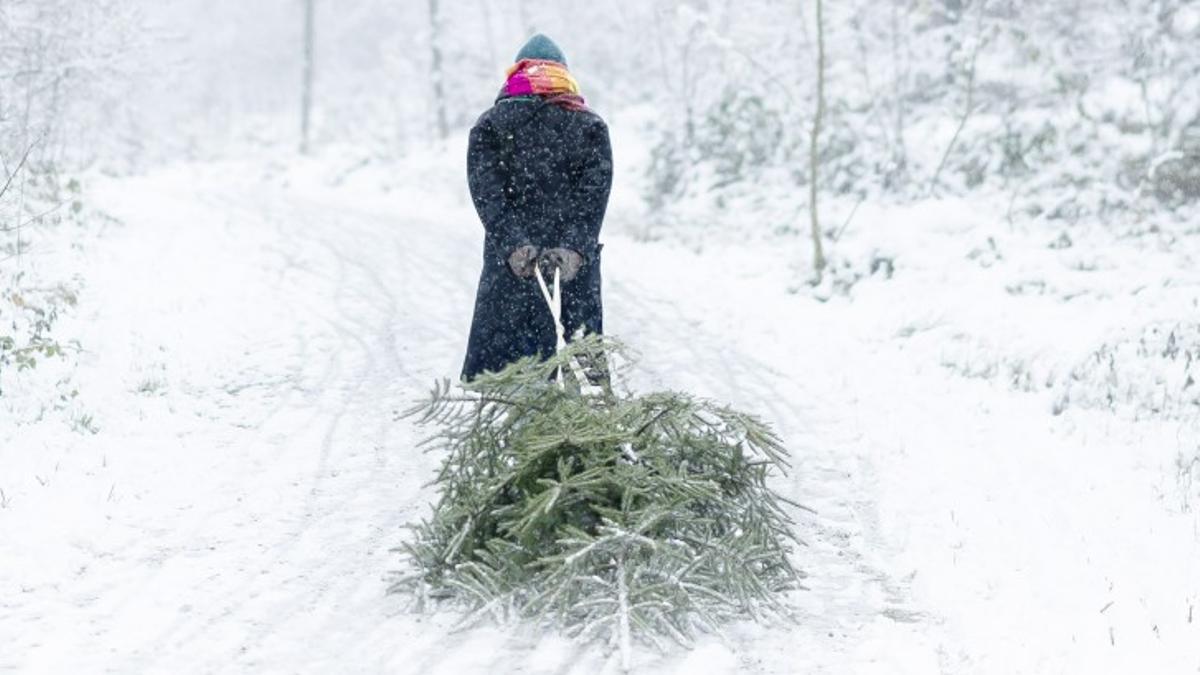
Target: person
point(539, 166)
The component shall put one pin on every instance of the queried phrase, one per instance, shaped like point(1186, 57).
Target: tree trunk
point(436, 74)
point(306, 93)
point(814, 155)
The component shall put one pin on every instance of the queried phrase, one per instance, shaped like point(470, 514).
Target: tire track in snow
point(333, 392)
point(177, 541)
point(357, 284)
point(375, 315)
point(238, 591)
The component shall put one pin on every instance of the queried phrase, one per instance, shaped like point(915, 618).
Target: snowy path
point(252, 337)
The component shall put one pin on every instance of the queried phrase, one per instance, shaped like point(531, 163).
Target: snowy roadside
point(251, 330)
point(1046, 543)
point(1026, 409)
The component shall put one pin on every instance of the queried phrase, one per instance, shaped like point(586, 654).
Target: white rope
point(554, 302)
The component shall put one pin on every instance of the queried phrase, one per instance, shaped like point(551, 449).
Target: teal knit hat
point(541, 47)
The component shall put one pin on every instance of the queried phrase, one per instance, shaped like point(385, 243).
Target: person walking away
point(539, 166)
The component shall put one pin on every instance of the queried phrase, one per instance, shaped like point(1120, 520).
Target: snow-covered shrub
point(62, 64)
point(34, 299)
point(1188, 474)
point(27, 320)
point(729, 145)
point(738, 135)
point(608, 516)
point(1155, 374)
point(1073, 111)
point(666, 172)
point(845, 272)
point(972, 358)
point(1174, 178)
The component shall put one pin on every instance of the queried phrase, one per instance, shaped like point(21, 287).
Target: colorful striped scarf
point(549, 79)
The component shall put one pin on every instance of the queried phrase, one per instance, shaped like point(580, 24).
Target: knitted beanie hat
point(543, 48)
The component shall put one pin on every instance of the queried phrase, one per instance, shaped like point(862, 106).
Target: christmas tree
point(611, 516)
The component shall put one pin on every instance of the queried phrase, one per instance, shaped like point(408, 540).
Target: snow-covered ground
point(251, 329)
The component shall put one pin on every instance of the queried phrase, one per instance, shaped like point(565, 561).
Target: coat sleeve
point(487, 180)
point(590, 194)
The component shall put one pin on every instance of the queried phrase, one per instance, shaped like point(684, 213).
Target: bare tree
point(813, 151)
point(436, 71)
point(306, 94)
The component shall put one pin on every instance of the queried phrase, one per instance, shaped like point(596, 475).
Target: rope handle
point(554, 302)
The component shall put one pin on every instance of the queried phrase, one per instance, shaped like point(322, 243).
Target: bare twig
point(496, 400)
point(769, 76)
point(649, 423)
point(837, 236)
point(32, 219)
point(1151, 127)
point(9, 179)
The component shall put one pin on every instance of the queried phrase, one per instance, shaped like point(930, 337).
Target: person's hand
point(568, 262)
point(522, 261)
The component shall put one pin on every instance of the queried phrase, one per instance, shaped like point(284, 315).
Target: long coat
point(539, 174)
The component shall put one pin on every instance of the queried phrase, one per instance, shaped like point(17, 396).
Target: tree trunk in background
point(436, 74)
point(813, 154)
point(306, 94)
point(899, 92)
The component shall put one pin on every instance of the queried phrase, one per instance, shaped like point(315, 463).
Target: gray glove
point(522, 261)
point(568, 262)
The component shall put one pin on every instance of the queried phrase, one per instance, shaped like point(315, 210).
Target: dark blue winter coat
point(539, 174)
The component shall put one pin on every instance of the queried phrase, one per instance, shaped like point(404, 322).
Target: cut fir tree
point(613, 517)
